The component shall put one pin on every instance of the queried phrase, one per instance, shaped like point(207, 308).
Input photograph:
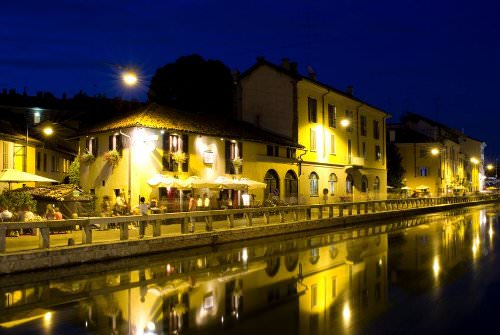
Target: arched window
point(291, 187)
point(313, 183)
point(376, 184)
point(272, 184)
point(332, 180)
point(364, 184)
point(348, 184)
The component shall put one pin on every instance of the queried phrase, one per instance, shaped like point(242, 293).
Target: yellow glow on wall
point(436, 268)
point(346, 313)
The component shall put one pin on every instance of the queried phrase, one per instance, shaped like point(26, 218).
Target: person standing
point(143, 210)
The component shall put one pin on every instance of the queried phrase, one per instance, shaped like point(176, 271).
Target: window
point(334, 287)
point(290, 153)
point(332, 144)
point(314, 295)
point(52, 163)
point(349, 116)
point(174, 143)
point(424, 172)
point(272, 182)
point(313, 140)
point(364, 184)
point(378, 153)
point(312, 109)
point(363, 150)
point(422, 153)
point(93, 146)
point(332, 116)
point(376, 130)
point(313, 184)
point(45, 162)
point(5, 155)
point(376, 184)
point(57, 163)
point(332, 180)
point(115, 143)
point(273, 150)
point(362, 121)
point(233, 150)
point(291, 187)
point(348, 184)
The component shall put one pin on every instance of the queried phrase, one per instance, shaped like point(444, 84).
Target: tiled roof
point(161, 117)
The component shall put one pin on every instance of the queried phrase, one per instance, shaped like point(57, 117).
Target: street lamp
point(129, 78)
point(48, 130)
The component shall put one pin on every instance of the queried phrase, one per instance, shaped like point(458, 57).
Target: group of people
point(120, 206)
point(24, 214)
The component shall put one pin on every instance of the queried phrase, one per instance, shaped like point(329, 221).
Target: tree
point(74, 172)
point(194, 85)
point(395, 171)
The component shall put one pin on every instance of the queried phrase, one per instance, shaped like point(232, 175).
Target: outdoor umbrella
point(14, 176)
point(406, 188)
point(252, 184)
point(422, 187)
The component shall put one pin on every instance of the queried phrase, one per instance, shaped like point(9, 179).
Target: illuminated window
point(424, 172)
point(378, 153)
point(332, 144)
point(313, 140)
point(348, 184)
point(313, 184)
point(332, 180)
point(208, 301)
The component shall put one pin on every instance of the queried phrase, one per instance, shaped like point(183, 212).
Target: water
point(429, 274)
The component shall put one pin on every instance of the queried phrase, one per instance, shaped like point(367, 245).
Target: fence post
point(341, 210)
point(249, 219)
point(330, 211)
point(123, 231)
point(358, 208)
point(87, 233)
point(230, 220)
point(282, 216)
point(349, 209)
point(3, 233)
point(266, 217)
point(187, 225)
point(156, 228)
point(320, 214)
point(44, 238)
point(209, 222)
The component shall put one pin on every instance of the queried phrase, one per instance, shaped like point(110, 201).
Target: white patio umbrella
point(422, 187)
point(15, 176)
point(252, 184)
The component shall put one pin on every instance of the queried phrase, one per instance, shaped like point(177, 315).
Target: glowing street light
point(434, 151)
point(48, 131)
point(129, 78)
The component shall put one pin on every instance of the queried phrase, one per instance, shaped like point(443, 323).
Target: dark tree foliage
point(395, 171)
point(194, 85)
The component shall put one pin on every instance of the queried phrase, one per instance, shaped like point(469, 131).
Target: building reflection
point(317, 285)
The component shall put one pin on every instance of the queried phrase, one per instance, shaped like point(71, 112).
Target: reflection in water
point(330, 283)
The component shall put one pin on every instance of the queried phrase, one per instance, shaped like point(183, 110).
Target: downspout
point(129, 167)
point(323, 120)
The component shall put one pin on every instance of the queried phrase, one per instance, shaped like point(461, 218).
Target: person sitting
point(57, 214)
point(121, 204)
point(49, 212)
point(106, 207)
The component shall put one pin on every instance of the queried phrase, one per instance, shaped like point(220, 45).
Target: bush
point(17, 200)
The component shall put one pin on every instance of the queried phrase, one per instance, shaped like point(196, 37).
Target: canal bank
point(71, 255)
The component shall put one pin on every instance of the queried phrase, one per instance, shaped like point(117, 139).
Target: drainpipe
point(129, 167)
point(323, 120)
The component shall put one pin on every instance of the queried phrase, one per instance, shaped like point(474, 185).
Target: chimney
point(293, 68)
point(350, 90)
point(311, 72)
point(285, 63)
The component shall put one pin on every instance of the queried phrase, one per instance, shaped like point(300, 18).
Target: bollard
point(71, 241)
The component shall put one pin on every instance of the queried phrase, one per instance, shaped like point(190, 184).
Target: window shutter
point(227, 153)
point(166, 152)
point(95, 147)
point(185, 149)
point(110, 142)
point(240, 152)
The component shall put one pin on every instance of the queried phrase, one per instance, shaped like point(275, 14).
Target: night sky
point(437, 58)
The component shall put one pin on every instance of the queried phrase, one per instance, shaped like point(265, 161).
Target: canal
point(436, 273)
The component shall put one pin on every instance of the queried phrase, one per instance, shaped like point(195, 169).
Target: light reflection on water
point(335, 282)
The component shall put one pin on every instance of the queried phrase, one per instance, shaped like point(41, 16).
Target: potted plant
point(86, 157)
point(112, 157)
point(237, 163)
point(179, 157)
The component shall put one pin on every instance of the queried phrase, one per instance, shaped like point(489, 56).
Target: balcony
point(357, 161)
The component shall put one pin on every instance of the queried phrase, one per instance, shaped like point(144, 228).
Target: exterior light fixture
point(435, 151)
point(474, 160)
point(130, 78)
point(489, 166)
point(345, 123)
point(48, 131)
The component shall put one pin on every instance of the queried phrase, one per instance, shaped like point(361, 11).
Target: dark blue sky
point(437, 58)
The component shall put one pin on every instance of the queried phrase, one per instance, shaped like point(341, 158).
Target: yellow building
point(343, 137)
point(125, 155)
point(437, 160)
